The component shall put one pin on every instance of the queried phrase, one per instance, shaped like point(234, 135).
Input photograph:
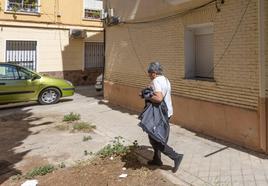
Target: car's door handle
point(2, 83)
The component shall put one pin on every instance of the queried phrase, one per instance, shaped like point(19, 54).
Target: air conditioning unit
point(77, 33)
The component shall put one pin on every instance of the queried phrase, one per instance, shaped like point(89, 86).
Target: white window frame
point(189, 49)
point(23, 12)
point(93, 9)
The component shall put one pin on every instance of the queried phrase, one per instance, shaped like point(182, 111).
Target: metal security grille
point(21, 53)
point(94, 55)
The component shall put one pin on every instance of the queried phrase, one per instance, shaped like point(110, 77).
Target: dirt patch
point(29, 140)
point(103, 172)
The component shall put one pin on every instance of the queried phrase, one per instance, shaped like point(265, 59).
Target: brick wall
point(77, 77)
point(266, 43)
point(130, 47)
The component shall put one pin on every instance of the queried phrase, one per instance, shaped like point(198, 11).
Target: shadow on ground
point(137, 158)
point(25, 104)
point(15, 127)
point(89, 91)
point(216, 140)
point(228, 145)
point(118, 108)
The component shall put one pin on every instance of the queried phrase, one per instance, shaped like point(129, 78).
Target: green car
point(18, 84)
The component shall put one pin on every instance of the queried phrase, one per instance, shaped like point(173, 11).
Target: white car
point(99, 83)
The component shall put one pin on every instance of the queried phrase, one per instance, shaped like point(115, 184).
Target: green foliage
point(86, 138)
point(71, 117)
point(115, 149)
point(40, 171)
point(83, 126)
point(16, 177)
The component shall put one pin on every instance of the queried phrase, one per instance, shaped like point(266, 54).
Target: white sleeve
point(157, 86)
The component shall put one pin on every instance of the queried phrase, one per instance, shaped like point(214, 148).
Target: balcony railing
point(22, 7)
point(92, 14)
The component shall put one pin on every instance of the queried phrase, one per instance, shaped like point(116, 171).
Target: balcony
point(92, 9)
point(92, 14)
point(22, 7)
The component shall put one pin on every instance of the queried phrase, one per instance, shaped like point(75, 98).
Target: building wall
point(141, 10)
point(233, 124)
point(65, 12)
point(266, 62)
point(266, 43)
point(130, 47)
point(56, 51)
point(57, 54)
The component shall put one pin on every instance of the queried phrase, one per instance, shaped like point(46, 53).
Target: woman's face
point(152, 75)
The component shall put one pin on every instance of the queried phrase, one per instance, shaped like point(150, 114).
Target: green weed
point(86, 138)
point(117, 148)
point(83, 126)
point(40, 171)
point(71, 117)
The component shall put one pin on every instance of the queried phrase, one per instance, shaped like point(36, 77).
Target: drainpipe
point(262, 100)
point(105, 7)
point(104, 57)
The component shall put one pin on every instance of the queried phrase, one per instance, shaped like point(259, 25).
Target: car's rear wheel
point(49, 96)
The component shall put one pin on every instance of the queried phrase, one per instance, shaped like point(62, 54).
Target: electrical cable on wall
point(135, 51)
point(171, 16)
point(163, 18)
point(114, 20)
point(232, 38)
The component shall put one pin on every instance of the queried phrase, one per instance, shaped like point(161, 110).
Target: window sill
point(23, 13)
point(91, 19)
point(200, 81)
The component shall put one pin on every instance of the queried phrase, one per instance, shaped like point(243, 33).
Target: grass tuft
point(40, 171)
point(71, 117)
point(117, 148)
point(83, 126)
point(86, 138)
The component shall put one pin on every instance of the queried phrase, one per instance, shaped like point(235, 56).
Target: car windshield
point(32, 73)
point(25, 74)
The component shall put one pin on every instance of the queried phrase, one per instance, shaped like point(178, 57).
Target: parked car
point(99, 83)
point(19, 84)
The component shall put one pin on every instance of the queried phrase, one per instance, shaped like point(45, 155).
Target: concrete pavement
point(206, 161)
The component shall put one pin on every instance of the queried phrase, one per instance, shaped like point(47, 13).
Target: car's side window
point(8, 73)
point(24, 74)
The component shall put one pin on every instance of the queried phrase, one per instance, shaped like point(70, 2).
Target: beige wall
point(56, 51)
point(232, 124)
point(131, 47)
point(71, 13)
point(266, 43)
point(227, 108)
point(137, 10)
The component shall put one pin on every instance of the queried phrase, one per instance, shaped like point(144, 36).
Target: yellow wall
point(131, 47)
point(71, 13)
point(56, 51)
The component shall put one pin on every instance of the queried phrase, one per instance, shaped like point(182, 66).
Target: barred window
point(94, 55)
point(21, 53)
